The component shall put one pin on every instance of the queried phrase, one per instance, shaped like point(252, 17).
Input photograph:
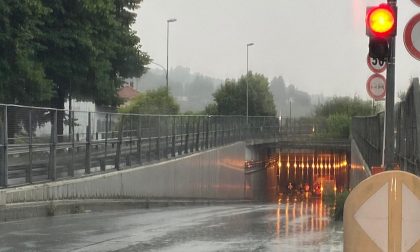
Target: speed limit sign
point(376, 65)
point(376, 87)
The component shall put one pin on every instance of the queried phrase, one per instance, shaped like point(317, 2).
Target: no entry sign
point(376, 65)
point(412, 36)
point(376, 87)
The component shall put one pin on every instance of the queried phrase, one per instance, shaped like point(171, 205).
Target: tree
point(336, 114)
point(53, 50)
point(230, 98)
point(301, 101)
point(153, 102)
point(23, 80)
point(90, 48)
point(345, 105)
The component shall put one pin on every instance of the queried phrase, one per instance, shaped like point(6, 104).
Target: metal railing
point(45, 144)
point(368, 133)
point(407, 128)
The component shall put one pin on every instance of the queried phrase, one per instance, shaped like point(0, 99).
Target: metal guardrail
point(45, 144)
point(368, 133)
point(407, 128)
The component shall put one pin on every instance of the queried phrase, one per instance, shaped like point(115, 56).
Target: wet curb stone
point(20, 211)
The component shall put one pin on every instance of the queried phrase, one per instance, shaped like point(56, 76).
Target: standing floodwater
point(288, 225)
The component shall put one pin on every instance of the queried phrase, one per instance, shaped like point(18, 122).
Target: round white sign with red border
point(416, 2)
point(376, 65)
point(376, 87)
point(412, 36)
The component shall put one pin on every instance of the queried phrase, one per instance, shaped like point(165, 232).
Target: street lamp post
point(167, 53)
point(159, 65)
point(290, 114)
point(246, 78)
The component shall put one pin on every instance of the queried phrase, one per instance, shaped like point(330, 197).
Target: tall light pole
point(159, 65)
point(246, 78)
point(167, 53)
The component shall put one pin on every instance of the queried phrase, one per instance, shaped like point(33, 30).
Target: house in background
point(127, 92)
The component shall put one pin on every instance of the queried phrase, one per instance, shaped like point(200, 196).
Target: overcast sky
point(318, 46)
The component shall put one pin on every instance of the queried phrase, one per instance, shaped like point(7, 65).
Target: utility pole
point(390, 98)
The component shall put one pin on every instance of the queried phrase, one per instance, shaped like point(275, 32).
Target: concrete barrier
point(212, 174)
point(359, 170)
point(2, 198)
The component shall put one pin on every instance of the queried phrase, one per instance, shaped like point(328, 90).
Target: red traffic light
point(381, 21)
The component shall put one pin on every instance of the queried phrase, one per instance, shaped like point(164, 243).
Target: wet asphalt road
point(286, 226)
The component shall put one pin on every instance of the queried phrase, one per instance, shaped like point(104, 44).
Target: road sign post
point(381, 28)
point(383, 214)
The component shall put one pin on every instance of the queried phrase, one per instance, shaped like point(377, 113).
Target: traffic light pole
point(390, 99)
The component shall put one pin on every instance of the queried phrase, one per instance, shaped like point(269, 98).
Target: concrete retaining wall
point(359, 170)
point(213, 174)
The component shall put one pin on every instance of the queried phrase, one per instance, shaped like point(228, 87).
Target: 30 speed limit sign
point(376, 87)
point(376, 65)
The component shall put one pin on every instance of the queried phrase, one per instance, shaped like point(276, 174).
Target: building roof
point(127, 92)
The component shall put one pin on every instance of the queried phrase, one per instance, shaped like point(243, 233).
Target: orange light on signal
point(381, 20)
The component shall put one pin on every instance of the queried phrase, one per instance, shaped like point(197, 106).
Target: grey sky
point(319, 46)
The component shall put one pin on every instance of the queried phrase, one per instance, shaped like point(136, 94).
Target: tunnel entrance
point(306, 173)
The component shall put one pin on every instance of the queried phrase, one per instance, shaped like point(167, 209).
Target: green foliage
point(56, 48)
point(23, 78)
point(152, 102)
point(230, 98)
point(194, 90)
point(336, 204)
point(90, 47)
point(335, 115)
point(345, 105)
point(338, 125)
point(211, 109)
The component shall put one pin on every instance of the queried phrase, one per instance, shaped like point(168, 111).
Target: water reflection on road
point(305, 225)
point(287, 225)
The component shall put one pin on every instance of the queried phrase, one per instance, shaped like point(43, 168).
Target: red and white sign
point(376, 65)
point(416, 2)
point(376, 87)
point(412, 36)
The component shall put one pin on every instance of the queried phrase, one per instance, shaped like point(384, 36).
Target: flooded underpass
point(286, 225)
point(292, 216)
point(301, 173)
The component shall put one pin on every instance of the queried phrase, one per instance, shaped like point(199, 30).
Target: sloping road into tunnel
point(288, 226)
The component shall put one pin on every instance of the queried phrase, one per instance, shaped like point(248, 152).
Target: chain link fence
point(44, 144)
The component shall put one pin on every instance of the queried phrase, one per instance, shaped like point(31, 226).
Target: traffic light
point(381, 24)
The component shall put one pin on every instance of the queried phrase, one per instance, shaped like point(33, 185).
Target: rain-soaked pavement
point(286, 226)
